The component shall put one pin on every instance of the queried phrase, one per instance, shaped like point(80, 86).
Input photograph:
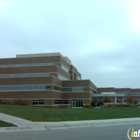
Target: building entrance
point(77, 103)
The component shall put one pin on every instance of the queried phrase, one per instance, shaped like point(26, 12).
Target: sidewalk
point(21, 123)
point(25, 125)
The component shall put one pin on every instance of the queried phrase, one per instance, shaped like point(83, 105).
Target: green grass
point(5, 124)
point(53, 114)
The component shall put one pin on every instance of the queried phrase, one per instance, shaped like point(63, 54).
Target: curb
point(14, 129)
point(93, 123)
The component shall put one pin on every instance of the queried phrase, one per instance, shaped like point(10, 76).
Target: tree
point(129, 99)
point(135, 102)
point(106, 99)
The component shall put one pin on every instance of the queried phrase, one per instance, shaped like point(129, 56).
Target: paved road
point(117, 132)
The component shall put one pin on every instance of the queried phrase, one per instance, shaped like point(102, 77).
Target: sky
point(101, 37)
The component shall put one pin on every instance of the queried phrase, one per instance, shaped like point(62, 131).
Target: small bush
point(88, 106)
point(93, 104)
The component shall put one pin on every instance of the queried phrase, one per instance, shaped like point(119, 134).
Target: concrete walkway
point(21, 123)
point(25, 125)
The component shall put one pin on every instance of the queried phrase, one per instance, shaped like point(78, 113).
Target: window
point(41, 102)
point(48, 87)
point(64, 68)
point(60, 101)
point(77, 103)
point(93, 91)
point(65, 89)
point(61, 77)
point(24, 75)
point(26, 65)
point(35, 102)
point(21, 87)
point(60, 89)
point(38, 102)
point(77, 89)
point(135, 93)
point(70, 71)
point(78, 78)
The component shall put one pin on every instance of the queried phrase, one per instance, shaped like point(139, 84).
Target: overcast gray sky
point(101, 37)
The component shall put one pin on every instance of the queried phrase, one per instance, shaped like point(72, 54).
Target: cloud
point(99, 36)
point(133, 9)
point(6, 4)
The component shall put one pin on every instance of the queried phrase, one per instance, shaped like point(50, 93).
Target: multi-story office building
point(44, 79)
point(51, 80)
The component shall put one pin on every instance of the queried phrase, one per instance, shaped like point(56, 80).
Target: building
point(44, 79)
point(51, 80)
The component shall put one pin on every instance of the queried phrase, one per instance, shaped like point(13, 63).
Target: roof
point(108, 94)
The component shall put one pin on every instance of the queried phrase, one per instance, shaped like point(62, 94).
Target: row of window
point(133, 93)
point(61, 77)
point(32, 64)
point(36, 87)
point(60, 101)
point(26, 65)
point(38, 102)
point(22, 87)
point(60, 89)
point(24, 75)
point(76, 103)
point(75, 89)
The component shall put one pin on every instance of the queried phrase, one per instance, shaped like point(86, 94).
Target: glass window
point(77, 103)
point(10, 87)
point(48, 87)
point(61, 77)
point(24, 75)
point(41, 87)
point(22, 87)
point(29, 87)
point(65, 89)
point(38, 102)
point(65, 68)
point(29, 75)
point(35, 87)
point(41, 102)
point(60, 101)
point(75, 89)
point(64, 101)
point(78, 78)
point(58, 88)
point(35, 102)
point(26, 65)
point(4, 88)
point(80, 89)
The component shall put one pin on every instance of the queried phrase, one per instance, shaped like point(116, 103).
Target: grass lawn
point(53, 114)
point(5, 124)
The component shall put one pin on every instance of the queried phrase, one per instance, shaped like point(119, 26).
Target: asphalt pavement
point(114, 132)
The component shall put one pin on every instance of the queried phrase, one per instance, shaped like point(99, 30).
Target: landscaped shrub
point(18, 102)
point(88, 106)
point(93, 104)
point(118, 105)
